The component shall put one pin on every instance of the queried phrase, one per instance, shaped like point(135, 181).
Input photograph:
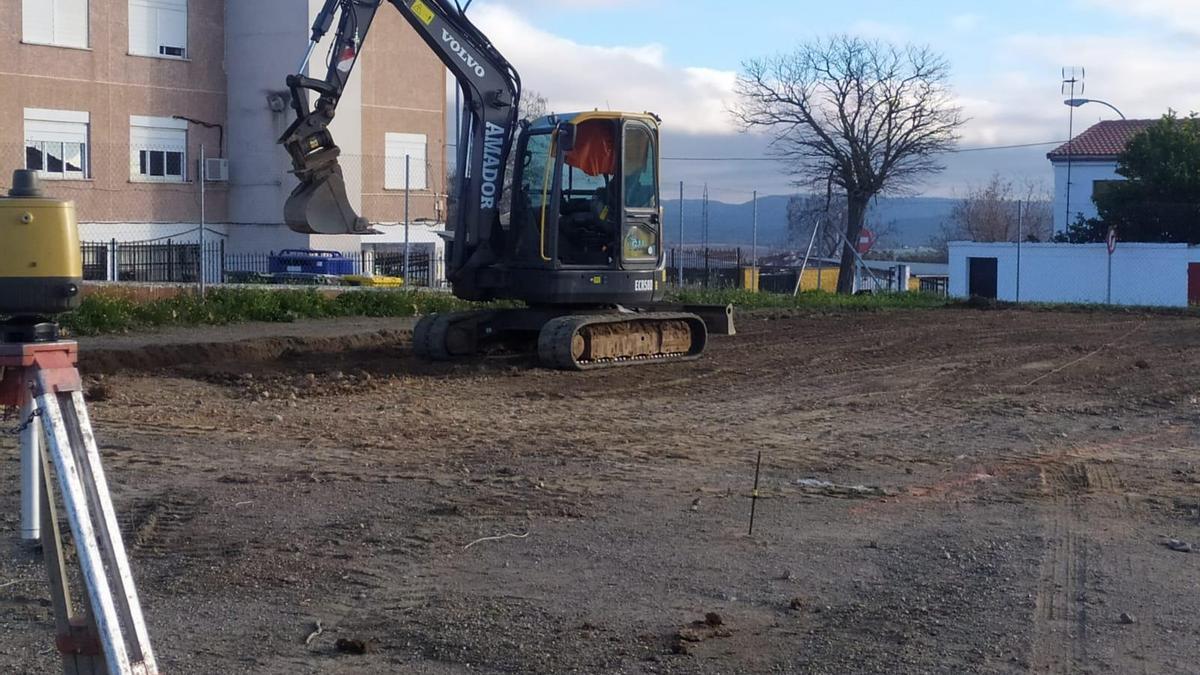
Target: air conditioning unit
point(216, 170)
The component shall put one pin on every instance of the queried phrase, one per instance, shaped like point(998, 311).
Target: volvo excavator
point(582, 243)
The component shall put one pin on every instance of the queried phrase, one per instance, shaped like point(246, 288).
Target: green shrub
point(114, 313)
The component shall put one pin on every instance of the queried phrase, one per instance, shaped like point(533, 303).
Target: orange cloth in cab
point(595, 150)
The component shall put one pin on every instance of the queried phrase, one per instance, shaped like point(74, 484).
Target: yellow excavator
point(582, 246)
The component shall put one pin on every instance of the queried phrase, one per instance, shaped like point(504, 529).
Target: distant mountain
point(912, 221)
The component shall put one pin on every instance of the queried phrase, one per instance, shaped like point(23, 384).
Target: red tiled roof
point(1106, 140)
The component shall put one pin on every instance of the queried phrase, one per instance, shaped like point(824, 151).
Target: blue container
point(295, 261)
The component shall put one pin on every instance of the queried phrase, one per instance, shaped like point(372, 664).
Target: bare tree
point(863, 116)
point(1001, 210)
point(533, 105)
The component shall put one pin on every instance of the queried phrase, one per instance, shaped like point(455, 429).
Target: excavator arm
point(491, 90)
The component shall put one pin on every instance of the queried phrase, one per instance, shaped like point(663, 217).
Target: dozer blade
point(319, 205)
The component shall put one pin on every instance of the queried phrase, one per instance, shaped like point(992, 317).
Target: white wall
point(1083, 175)
point(264, 41)
point(1142, 274)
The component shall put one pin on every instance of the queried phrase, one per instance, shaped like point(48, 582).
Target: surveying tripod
point(38, 374)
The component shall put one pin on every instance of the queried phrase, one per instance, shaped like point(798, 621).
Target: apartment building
point(113, 102)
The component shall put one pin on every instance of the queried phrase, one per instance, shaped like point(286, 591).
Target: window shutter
point(58, 132)
point(172, 28)
point(65, 126)
point(70, 22)
point(162, 134)
point(37, 21)
point(158, 27)
point(143, 29)
point(396, 146)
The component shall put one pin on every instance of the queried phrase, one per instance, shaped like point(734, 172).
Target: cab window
point(640, 168)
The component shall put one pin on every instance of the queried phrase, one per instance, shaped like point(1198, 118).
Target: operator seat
point(587, 229)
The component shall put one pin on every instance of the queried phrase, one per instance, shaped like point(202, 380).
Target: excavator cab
point(586, 193)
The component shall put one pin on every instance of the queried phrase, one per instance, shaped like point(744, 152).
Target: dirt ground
point(946, 491)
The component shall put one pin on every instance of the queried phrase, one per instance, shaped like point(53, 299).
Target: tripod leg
point(31, 479)
point(87, 456)
point(59, 440)
point(76, 636)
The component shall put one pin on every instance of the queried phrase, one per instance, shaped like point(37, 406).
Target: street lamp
point(1080, 102)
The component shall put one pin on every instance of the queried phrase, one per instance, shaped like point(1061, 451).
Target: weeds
point(818, 300)
point(114, 313)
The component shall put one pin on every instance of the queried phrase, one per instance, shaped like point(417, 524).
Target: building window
point(56, 143)
point(396, 148)
point(62, 23)
point(157, 149)
point(158, 28)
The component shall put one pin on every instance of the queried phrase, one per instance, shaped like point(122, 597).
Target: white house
point(1085, 164)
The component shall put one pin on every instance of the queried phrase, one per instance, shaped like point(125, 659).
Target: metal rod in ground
point(754, 494)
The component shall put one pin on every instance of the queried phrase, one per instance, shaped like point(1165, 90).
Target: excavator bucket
point(319, 205)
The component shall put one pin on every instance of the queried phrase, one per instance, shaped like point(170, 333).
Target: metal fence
point(181, 263)
point(706, 267)
point(171, 262)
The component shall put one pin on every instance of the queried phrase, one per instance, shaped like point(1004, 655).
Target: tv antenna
point(1073, 85)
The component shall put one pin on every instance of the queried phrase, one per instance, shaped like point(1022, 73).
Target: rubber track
point(554, 342)
point(429, 335)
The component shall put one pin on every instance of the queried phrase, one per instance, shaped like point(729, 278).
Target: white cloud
point(1015, 98)
point(965, 23)
point(576, 76)
point(1181, 16)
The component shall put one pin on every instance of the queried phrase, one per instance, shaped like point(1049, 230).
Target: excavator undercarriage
point(575, 339)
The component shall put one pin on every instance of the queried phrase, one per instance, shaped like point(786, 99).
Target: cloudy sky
point(680, 58)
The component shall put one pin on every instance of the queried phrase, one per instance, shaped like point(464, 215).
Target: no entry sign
point(866, 241)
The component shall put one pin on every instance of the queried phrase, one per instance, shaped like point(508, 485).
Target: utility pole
point(1020, 238)
point(1073, 79)
point(202, 219)
point(407, 174)
point(679, 258)
point(754, 228)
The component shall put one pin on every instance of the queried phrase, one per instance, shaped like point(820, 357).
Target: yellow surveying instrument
point(41, 273)
point(41, 268)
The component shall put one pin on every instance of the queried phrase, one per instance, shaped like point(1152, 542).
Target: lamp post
point(1080, 102)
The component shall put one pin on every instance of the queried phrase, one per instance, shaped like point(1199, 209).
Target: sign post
point(1112, 248)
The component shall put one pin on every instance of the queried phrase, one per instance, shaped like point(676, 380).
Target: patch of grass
point(816, 300)
point(102, 313)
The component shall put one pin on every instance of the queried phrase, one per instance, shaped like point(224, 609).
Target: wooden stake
point(754, 494)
